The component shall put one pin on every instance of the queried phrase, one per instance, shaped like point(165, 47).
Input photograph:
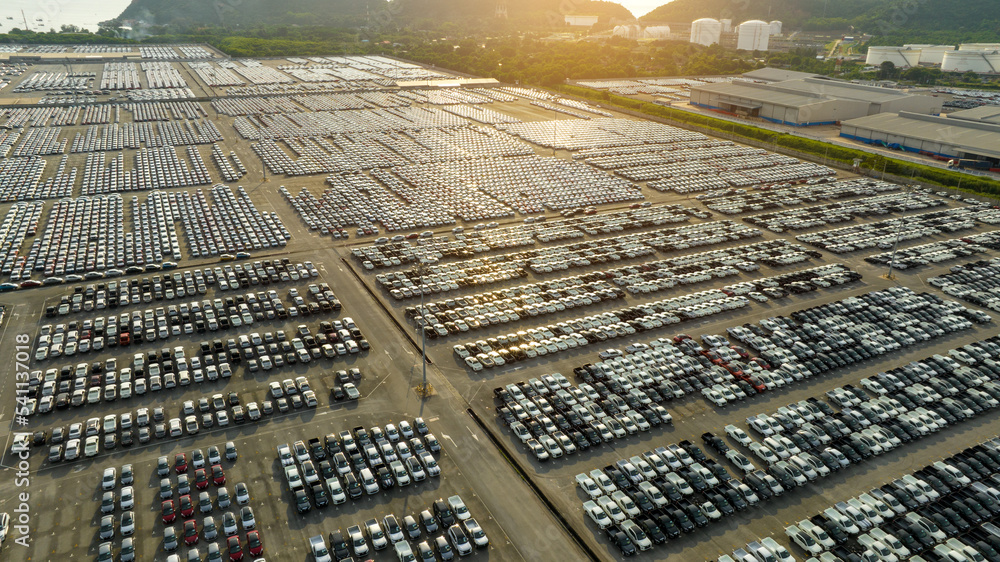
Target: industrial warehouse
point(967, 135)
point(808, 101)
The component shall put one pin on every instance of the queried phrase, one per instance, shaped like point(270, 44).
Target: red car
point(180, 463)
point(254, 545)
point(740, 351)
point(714, 357)
point(235, 548)
point(681, 337)
point(756, 383)
point(167, 510)
point(190, 531)
point(218, 476)
point(187, 508)
point(200, 479)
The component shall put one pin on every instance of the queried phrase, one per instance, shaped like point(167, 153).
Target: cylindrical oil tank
point(657, 32)
point(706, 31)
point(934, 54)
point(979, 47)
point(752, 35)
point(899, 56)
point(964, 61)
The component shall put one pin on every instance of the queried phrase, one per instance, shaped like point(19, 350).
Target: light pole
point(421, 270)
point(899, 230)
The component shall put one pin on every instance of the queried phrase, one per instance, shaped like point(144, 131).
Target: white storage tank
point(775, 27)
point(657, 32)
point(979, 62)
point(934, 54)
point(626, 31)
point(901, 57)
point(752, 35)
point(706, 31)
point(979, 47)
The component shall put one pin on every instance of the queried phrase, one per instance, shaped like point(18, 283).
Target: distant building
point(973, 136)
point(808, 101)
point(581, 21)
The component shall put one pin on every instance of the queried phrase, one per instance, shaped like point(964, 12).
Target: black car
point(622, 541)
point(302, 504)
point(320, 496)
point(339, 545)
point(668, 526)
point(652, 530)
point(683, 521)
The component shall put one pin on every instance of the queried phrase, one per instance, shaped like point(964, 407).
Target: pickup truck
point(318, 548)
point(316, 449)
point(293, 478)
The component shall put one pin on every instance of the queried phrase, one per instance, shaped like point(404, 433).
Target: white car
point(597, 515)
point(285, 455)
point(110, 479)
point(588, 485)
point(738, 435)
point(741, 461)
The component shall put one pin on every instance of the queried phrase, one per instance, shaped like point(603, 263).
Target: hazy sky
point(640, 8)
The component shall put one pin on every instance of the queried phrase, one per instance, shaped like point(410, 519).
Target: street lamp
point(421, 271)
point(899, 230)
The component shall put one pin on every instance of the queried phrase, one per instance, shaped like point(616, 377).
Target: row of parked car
point(599, 328)
point(943, 512)
point(817, 339)
point(358, 462)
point(125, 525)
point(482, 310)
point(162, 323)
point(230, 524)
point(798, 440)
point(111, 431)
point(843, 211)
point(552, 418)
point(680, 366)
point(178, 284)
point(398, 250)
point(737, 201)
point(792, 436)
point(975, 282)
point(649, 498)
point(884, 234)
point(460, 534)
point(493, 269)
point(937, 252)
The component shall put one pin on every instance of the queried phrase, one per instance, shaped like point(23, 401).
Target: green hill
point(420, 14)
point(878, 17)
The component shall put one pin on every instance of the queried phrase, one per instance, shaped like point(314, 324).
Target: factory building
point(974, 136)
point(808, 101)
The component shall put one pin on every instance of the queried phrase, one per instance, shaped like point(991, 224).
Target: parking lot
point(517, 233)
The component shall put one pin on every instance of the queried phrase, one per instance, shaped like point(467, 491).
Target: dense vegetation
point(534, 61)
point(905, 21)
point(464, 16)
